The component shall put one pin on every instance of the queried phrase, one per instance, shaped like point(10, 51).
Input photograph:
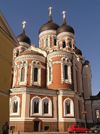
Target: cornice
point(65, 34)
point(47, 32)
point(59, 54)
point(35, 91)
point(66, 92)
point(30, 57)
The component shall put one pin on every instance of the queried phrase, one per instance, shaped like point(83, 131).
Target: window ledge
point(14, 114)
point(69, 115)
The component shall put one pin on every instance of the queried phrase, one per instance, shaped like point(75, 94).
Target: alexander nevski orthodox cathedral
point(51, 85)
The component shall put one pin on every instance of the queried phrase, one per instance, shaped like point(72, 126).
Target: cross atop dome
point(50, 13)
point(24, 22)
point(64, 14)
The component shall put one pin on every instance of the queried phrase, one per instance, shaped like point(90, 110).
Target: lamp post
point(84, 112)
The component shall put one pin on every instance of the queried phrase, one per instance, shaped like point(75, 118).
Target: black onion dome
point(65, 28)
point(78, 51)
point(23, 38)
point(50, 25)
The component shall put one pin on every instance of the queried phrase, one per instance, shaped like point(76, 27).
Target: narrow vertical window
point(35, 74)
point(46, 42)
point(22, 74)
point(36, 107)
point(45, 107)
point(54, 42)
point(70, 45)
point(66, 71)
point(68, 107)
point(64, 44)
point(17, 53)
point(15, 106)
point(49, 73)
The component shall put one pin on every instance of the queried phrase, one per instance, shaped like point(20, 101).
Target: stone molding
point(47, 32)
point(65, 34)
point(35, 91)
point(29, 57)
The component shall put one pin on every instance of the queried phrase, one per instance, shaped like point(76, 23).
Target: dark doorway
point(36, 126)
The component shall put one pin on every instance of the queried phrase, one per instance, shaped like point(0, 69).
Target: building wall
point(6, 51)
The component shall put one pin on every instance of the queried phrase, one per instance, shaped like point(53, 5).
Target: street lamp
point(84, 112)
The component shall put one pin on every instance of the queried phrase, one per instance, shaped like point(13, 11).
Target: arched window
point(36, 107)
point(15, 106)
point(68, 107)
point(45, 107)
point(35, 74)
point(54, 42)
point(64, 44)
point(70, 44)
point(17, 53)
point(46, 42)
point(66, 71)
point(22, 74)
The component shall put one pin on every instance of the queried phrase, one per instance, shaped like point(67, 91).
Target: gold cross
point(24, 22)
point(50, 10)
point(63, 14)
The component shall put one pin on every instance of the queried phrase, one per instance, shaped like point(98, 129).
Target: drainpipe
point(57, 112)
point(72, 72)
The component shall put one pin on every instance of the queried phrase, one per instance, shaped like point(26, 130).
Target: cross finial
point(50, 10)
point(24, 22)
point(64, 14)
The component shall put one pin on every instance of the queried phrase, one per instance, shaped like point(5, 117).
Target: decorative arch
point(35, 73)
point(66, 70)
point(35, 106)
point(68, 106)
point(46, 106)
point(15, 106)
point(23, 65)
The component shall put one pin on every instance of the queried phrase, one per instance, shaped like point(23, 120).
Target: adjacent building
point(7, 43)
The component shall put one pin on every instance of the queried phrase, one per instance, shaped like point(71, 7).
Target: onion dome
point(64, 27)
point(50, 25)
point(22, 37)
point(78, 51)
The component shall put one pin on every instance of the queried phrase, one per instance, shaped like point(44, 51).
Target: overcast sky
point(82, 15)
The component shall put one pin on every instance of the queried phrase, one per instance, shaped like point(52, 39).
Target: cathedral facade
point(50, 83)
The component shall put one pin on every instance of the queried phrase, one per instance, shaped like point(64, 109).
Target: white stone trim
point(67, 120)
point(34, 91)
point(14, 75)
point(31, 119)
point(47, 32)
point(66, 61)
point(36, 98)
point(71, 107)
point(24, 44)
point(49, 64)
point(46, 99)
point(15, 98)
point(30, 57)
point(21, 65)
point(35, 64)
point(59, 54)
point(65, 34)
